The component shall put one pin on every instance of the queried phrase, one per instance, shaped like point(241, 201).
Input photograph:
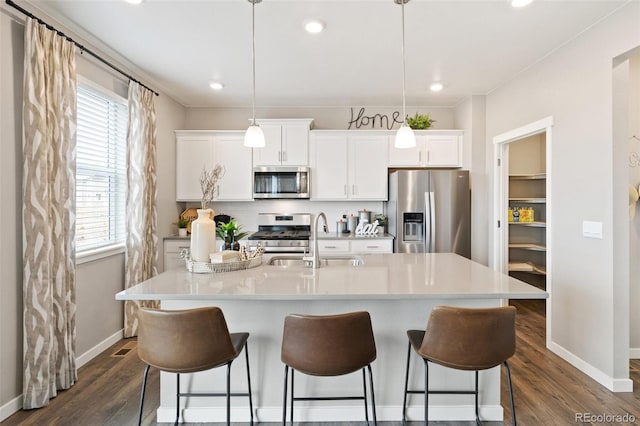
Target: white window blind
point(100, 170)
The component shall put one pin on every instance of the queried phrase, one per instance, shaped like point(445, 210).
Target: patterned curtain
point(48, 215)
point(142, 242)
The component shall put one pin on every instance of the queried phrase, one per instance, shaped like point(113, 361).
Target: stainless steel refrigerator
point(429, 211)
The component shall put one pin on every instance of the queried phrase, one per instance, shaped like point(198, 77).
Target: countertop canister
point(364, 215)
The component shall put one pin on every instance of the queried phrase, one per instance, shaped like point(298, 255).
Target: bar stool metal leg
point(373, 396)
point(292, 397)
point(513, 408)
point(426, 392)
point(246, 352)
point(478, 422)
point(144, 388)
point(364, 385)
point(177, 398)
point(406, 388)
point(284, 400)
point(228, 394)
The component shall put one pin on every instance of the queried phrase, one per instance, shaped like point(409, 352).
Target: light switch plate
point(592, 229)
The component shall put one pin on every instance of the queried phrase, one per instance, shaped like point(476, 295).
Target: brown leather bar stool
point(464, 339)
point(331, 345)
point(187, 341)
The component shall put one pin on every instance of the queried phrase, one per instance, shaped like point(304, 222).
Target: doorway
point(522, 194)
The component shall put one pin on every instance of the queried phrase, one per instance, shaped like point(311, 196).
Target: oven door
point(280, 182)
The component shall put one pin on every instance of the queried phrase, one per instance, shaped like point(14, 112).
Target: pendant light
point(254, 137)
point(405, 138)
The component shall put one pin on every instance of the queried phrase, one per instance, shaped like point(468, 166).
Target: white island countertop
point(383, 276)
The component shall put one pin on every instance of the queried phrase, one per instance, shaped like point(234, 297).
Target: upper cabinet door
point(193, 153)
point(407, 157)
point(287, 142)
point(433, 149)
point(329, 167)
point(444, 150)
point(295, 145)
point(271, 154)
point(237, 182)
point(368, 167)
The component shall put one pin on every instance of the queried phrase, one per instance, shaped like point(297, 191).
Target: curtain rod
point(81, 47)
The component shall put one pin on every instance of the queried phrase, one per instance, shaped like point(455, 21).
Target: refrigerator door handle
point(432, 222)
point(427, 222)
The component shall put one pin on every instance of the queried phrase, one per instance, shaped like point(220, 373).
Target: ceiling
point(472, 47)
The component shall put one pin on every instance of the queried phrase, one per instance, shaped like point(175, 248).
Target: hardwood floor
point(548, 391)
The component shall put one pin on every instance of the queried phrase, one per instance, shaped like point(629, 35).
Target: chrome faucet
point(315, 260)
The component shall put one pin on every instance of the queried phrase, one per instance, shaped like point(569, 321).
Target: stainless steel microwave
point(281, 182)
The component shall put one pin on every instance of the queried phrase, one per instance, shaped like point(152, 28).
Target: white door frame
point(501, 199)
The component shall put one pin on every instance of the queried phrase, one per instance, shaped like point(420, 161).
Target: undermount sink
point(289, 261)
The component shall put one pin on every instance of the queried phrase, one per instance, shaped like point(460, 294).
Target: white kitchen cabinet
point(198, 149)
point(286, 143)
point(193, 153)
point(371, 246)
point(434, 148)
point(346, 166)
point(355, 246)
point(329, 167)
point(333, 246)
point(237, 182)
point(368, 167)
point(172, 249)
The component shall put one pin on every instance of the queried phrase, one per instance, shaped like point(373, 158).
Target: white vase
point(203, 236)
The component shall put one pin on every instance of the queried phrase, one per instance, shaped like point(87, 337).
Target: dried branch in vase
point(209, 183)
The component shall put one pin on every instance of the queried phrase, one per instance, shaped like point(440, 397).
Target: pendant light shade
point(254, 137)
point(405, 138)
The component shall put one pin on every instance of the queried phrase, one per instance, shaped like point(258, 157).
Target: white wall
point(470, 117)
point(324, 118)
point(634, 227)
point(11, 54)
point(574, 85)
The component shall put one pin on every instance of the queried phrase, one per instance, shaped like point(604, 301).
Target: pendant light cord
point(253, 54)
point(404, 77)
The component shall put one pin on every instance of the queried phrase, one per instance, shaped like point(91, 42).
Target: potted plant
point(382, 221)
point(420, 121)
point(230, 234)
point(182, 226)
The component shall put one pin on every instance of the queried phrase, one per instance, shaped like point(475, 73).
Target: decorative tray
point(211, 268)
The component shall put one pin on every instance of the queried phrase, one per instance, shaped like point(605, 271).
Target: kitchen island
point(399, 291)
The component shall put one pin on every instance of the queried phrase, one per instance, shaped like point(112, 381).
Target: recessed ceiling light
point(436, 87)
point(520, 3)
point(134, 1)
point(216, 86)
point(314, 26)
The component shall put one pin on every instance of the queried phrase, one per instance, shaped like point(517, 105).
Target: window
point(100, 170)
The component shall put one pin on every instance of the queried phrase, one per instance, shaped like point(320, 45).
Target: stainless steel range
point(282, 232)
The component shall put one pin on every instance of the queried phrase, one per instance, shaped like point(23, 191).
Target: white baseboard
point(634, 353)
point(16, 404)
point(99, 348)
point(331, 413)
point(10, 407)
point(611, 383)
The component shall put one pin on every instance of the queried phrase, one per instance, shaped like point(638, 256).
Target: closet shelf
point(528, 200)
point(528, 246)
point(532, 224)
point(528, 176)
point(527, 267)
